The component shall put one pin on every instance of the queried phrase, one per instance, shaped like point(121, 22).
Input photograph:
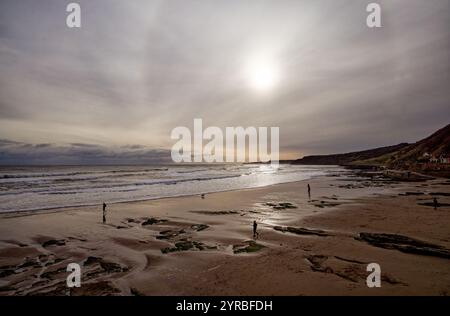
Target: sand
point(195, 246)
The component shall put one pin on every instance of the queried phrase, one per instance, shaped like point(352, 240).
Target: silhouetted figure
point(203, 195)
point(309, 191)
point(409, 174)
point(104, 212)
point(255, 227)
point(436, 204)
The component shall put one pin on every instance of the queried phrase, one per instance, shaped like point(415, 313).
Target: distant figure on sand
point(104, 212)
point(309, 191)
point(255, 227)
point(203, 195)
point(436, 204)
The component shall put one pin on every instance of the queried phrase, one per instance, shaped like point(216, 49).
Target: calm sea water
point(38, 188)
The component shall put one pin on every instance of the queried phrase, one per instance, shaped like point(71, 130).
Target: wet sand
point(195, 246)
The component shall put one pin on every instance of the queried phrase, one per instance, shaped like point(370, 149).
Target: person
point(203, 195)
point(436, 204)
point(255, 227)
point(104, 212)
point(309, 191)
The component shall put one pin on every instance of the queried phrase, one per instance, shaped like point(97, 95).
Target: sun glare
point(262, 74)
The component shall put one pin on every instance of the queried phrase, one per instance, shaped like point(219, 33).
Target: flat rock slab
point(404, 244)
point(199, 227)
point(232, 212)
point(411, 193)
point(440, 193)
point(186, 245)
point(169, 234)
point(152, 221)
point(301, 231)
point(53, 242)
point(431, 204)
point(247, 247)
point(323, 204)
point(281, 205)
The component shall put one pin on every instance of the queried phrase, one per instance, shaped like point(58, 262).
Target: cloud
point(136, 70)
point(18, 153)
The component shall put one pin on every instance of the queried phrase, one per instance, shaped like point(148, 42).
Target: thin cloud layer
point(136, 70)
point(18, 153)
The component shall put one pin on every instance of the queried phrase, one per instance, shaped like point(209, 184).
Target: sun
point(262, 74)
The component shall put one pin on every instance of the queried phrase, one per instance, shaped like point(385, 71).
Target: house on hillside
point(424, 158)
point(444, 159)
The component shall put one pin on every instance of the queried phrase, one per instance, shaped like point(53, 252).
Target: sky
point(113, 90)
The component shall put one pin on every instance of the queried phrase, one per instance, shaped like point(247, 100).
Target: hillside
point(435, 145)
point(418, 156)
point(348, 158)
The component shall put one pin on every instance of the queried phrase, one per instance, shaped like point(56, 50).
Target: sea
point(34, 188)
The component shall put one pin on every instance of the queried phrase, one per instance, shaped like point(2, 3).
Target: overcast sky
point(137, 69)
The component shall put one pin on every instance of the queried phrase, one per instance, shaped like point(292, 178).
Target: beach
point(191, 245)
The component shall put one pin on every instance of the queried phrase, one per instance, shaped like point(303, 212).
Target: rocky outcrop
point(301, 231)
point(404, 244)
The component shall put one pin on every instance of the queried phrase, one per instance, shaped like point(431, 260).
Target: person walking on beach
point(255, 227)
point(104, 212)
point(435, 203)
point(309, 191)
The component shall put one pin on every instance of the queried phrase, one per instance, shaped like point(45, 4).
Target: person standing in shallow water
point(435, 203)
point(255, 227)
point(309, 191)
point(104, 212)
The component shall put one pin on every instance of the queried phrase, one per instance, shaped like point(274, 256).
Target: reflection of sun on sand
point(194, 246)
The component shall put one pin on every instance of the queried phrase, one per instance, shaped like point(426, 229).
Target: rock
point(353, 272)
point(152, 221)
point(136, 292)
point(92, 260)
point(112, 267)
point(107, 266)
point(199, 227)
point(168, 234)
point(216, 212)
point(323, 204)
point(7, 288)
point(54, 242)
point(29, 263)
point(51, 274)
point(440, 193)
point(301, 231)
point(60, 289)
point(102, 288)
point(281, 205)
point(248, 246)
point(404, 244)
point(317, 260)
point(431, 204)
point(7, 272)
point(186, 245)
point(132, 220)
